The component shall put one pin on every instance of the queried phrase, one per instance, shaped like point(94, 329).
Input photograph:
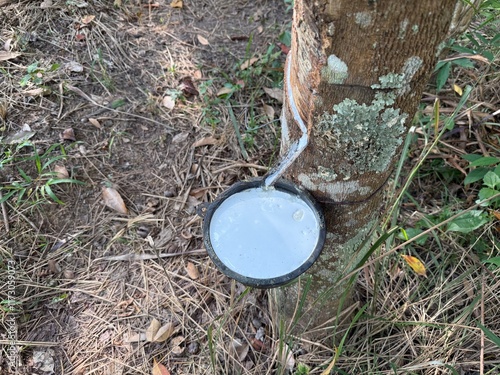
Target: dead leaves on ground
point(168, 102)
point(203, 41)
point(192, 271)
point(275, 93)
point(68, 135)
point(6, 55)
point(269, 111)
point(205, 141)
point(248, 63)
point(159, 333)
point(113, 200)
point(238, 349)
point(176, 4)
point(61, 171)
point(95, 122)
point(159, 369)
point(87, 19)
point(178, 346)
point(187, 87)
point(415, 264)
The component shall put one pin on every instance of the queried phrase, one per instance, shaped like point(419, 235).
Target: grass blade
point(494, 338)
point(237, 131)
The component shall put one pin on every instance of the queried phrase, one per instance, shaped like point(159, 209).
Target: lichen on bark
point(368, 135)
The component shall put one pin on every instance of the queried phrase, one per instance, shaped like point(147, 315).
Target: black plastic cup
point(274, 274)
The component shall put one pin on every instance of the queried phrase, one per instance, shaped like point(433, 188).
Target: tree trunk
point(357, 70)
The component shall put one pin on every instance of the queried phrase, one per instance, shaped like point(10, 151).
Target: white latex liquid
point(263, 233)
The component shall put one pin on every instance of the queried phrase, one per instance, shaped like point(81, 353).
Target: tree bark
point(357, 73)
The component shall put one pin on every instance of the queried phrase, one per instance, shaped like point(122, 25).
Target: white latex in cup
point(264, 233)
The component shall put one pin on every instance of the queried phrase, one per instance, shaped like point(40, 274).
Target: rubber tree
point(354, 77)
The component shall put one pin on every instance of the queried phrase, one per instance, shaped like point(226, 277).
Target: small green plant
point(211, 115)
point(106, 81)
point(269, 66)
point(37, 189)
point(487, 170)
point(302, 369)
point(35, 74)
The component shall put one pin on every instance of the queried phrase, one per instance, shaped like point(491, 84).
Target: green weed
point(36, 75)
point(106, 81)
point(36, 187)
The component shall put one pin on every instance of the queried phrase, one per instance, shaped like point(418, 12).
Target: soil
point(104, 103)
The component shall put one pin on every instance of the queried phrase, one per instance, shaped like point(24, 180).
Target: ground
point(164, 105)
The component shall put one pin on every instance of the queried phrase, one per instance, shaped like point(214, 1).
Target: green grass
point(36, 181)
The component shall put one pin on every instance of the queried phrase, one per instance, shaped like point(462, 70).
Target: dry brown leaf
point(257, 344)
point(136, 337)
point(187, 87)
point(34, 92)
point(177, 347)
point(330, 367)
point(415, 264)
point(202, 40)
point(164, 332)
point(274, 93)
point(113, 200)
point(457, 89)
point(95, 122)
point(68, 135)
point(61, 171)
point(180, 138)
point(168, 102)
point(197, 74)
point(205, 141)
point(192, 271)
point(68, 274)
point(248, 63)
point(224, 90)
point(496, 214)
point(73, 66)
point(198, 193)
point(269, 111)
point(159, 369)
point(153, 328)
point(87, 19)
point(176, 4)
point(239, 350)
point(54, 267)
